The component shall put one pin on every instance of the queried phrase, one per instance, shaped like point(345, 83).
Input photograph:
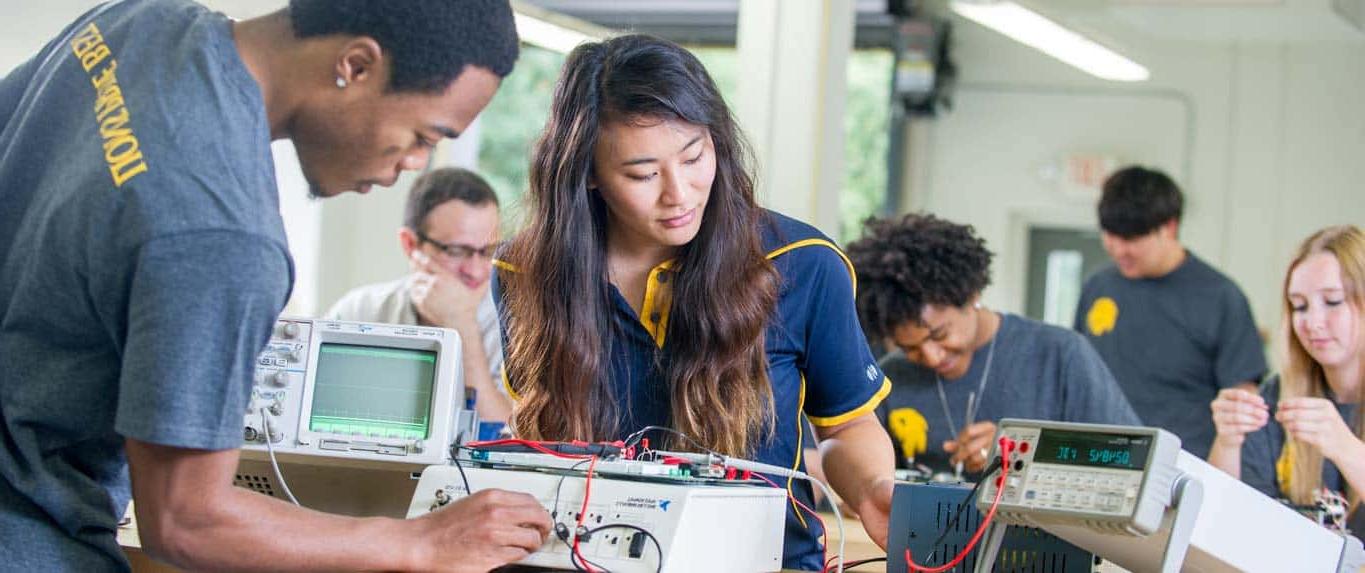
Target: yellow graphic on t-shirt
point(1284, 467)
point(910, 430)
point(122, 151)
point(1103, 315)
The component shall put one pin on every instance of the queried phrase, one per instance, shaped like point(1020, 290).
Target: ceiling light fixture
point(1036, 31)
point(553, 31)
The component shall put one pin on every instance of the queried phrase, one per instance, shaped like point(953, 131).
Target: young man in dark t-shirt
point(143, 263)
point(1173, 330)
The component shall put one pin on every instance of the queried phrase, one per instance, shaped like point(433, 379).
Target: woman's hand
point(1317, 422)
point(1236, 413)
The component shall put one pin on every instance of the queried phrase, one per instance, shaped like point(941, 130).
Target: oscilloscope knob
point(279, 378)
point(289, 330)
point(276, 436)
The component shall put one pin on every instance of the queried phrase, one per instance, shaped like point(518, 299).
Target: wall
point(1267, 139)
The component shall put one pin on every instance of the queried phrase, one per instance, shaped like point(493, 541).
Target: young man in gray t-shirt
point(959, 366)
point(143, 263)
point(1172, 329)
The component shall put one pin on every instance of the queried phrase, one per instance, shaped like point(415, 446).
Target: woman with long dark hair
point(648, 288)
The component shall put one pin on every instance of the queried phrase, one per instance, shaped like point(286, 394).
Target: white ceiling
point(1212, 21)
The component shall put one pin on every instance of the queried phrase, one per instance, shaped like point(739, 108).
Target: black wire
point(558, 488)
point(657, 547)
point(862, 562)
point(635, 438)
point(995, 465)
point(455, 457)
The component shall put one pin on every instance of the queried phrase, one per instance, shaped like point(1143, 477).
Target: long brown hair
point(1301, 376)
point(558, 308)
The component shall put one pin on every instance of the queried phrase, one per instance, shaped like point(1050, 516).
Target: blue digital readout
point(1126, 451)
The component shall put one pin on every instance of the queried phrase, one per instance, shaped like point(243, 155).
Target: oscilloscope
point(352, 411)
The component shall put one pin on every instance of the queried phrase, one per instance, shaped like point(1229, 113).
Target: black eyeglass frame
point(460, 252)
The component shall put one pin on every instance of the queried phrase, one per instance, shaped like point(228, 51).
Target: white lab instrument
point(696, 525)
point(1132, 496)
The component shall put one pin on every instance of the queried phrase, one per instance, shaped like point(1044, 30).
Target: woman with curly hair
point(961, 366)
point(649, 289)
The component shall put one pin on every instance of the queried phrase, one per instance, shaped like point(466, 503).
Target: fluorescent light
point(1034, 30)
point(554, 31)
point(549, 36)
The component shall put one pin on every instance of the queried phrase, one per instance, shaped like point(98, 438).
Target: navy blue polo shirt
point(819, 363)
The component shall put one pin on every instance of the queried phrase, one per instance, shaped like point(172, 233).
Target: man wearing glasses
point(449, 233)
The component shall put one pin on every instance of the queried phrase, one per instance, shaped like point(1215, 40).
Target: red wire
point(582, 514)
point(824, 538)
point(1006, 447)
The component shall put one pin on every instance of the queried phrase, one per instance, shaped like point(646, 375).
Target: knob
point(418, 447)
point(251, 434)
point(277, 408)
point(280, 378)
point(276, 436)
point(289, 330)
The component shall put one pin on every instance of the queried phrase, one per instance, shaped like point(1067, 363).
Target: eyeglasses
point(458, 252)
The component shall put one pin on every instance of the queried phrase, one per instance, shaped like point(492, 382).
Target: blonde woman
point(1302, 434)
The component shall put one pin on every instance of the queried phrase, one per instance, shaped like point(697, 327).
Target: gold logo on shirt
point(910, 429)
point(1103, 315)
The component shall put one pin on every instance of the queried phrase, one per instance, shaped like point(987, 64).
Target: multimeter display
point(1123, 451)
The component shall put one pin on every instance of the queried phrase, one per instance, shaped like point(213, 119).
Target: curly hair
point(904, 264)
point(430, 41)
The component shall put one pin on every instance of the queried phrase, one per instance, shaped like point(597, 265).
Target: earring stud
point(341, 82)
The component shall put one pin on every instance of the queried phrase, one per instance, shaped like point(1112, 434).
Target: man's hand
point(482, 532)
point(441, 298)
point(972, 446)
point(875, 510)
point(1316, 421)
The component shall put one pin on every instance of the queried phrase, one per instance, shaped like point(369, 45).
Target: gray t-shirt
point(1172, 343)
point(142, 264)
point(1263, 448)
point(1039, 372)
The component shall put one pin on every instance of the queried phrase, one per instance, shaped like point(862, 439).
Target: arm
point(442, 299)
point(190, 515)
point(859, 463)
point(491, 403)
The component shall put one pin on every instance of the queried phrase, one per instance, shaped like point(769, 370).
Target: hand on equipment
point(875, 510)
point(482, 532)
point(972, 446)
point(440, 297)
point(1236, 413)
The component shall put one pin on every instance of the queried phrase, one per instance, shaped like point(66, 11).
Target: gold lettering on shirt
point(122, 151)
